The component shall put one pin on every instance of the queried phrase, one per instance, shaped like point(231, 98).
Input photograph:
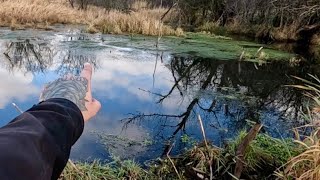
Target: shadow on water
point(230, 95)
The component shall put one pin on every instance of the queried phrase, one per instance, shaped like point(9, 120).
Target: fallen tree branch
point(240, 154)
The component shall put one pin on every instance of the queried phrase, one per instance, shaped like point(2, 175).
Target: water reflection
point(15, 87)
point(33, 57)
point(72, 61)
point(228, 94)
point(162, 98)
point(38, 56)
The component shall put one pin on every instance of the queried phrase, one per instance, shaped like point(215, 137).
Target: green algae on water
point(208, 46)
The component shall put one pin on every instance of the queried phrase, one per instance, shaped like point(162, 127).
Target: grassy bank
point(263, 158)
point(141, 19)
point(19, 14)
point(262, 32)
point(146, 19)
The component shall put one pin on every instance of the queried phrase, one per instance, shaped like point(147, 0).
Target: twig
point(157, 94)
point(259, 51)
point(175, 169)
point(240, 153)
point(17, 108)
point(74, 166)
point(155, 68)
point(165, 14)
point(198, 170)
point(206, 143)
point(242, 56)
point(202, 130)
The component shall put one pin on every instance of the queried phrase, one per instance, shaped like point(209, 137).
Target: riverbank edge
point(39, 14)
point(262, 157)
point(260, 33)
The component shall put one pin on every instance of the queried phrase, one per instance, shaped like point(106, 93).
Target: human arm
point(36, 144)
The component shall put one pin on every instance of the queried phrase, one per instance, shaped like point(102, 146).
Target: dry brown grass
point(144, 21)
point(305, 166)
point(43, 13)
point(30, 12)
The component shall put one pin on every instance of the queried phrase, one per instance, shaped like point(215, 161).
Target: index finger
point(87, 73)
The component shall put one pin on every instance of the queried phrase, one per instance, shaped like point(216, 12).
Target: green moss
point(216, 47)
point(202, 45)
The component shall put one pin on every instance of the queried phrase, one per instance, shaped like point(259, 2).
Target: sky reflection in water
point(129, 82)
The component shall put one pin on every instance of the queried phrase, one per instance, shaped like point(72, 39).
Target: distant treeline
point(291, 19)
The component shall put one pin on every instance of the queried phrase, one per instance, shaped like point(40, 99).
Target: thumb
point(96, 105)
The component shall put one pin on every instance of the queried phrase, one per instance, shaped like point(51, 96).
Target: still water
point(150, 98)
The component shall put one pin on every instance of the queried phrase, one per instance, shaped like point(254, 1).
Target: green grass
point(263, 156)
point(265, 152)
point(115, 170)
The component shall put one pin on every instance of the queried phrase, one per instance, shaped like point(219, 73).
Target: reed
point(306, 165)
point(144, 21)
point(19, 14)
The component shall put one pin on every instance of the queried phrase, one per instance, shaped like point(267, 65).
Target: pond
point(152, 95)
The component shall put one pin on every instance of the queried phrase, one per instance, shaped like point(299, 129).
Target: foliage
point(268, 20)
point(281, 150)
point(185, 138)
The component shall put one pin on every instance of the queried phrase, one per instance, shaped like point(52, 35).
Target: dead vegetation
point(19, 14)
point(306, 165)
